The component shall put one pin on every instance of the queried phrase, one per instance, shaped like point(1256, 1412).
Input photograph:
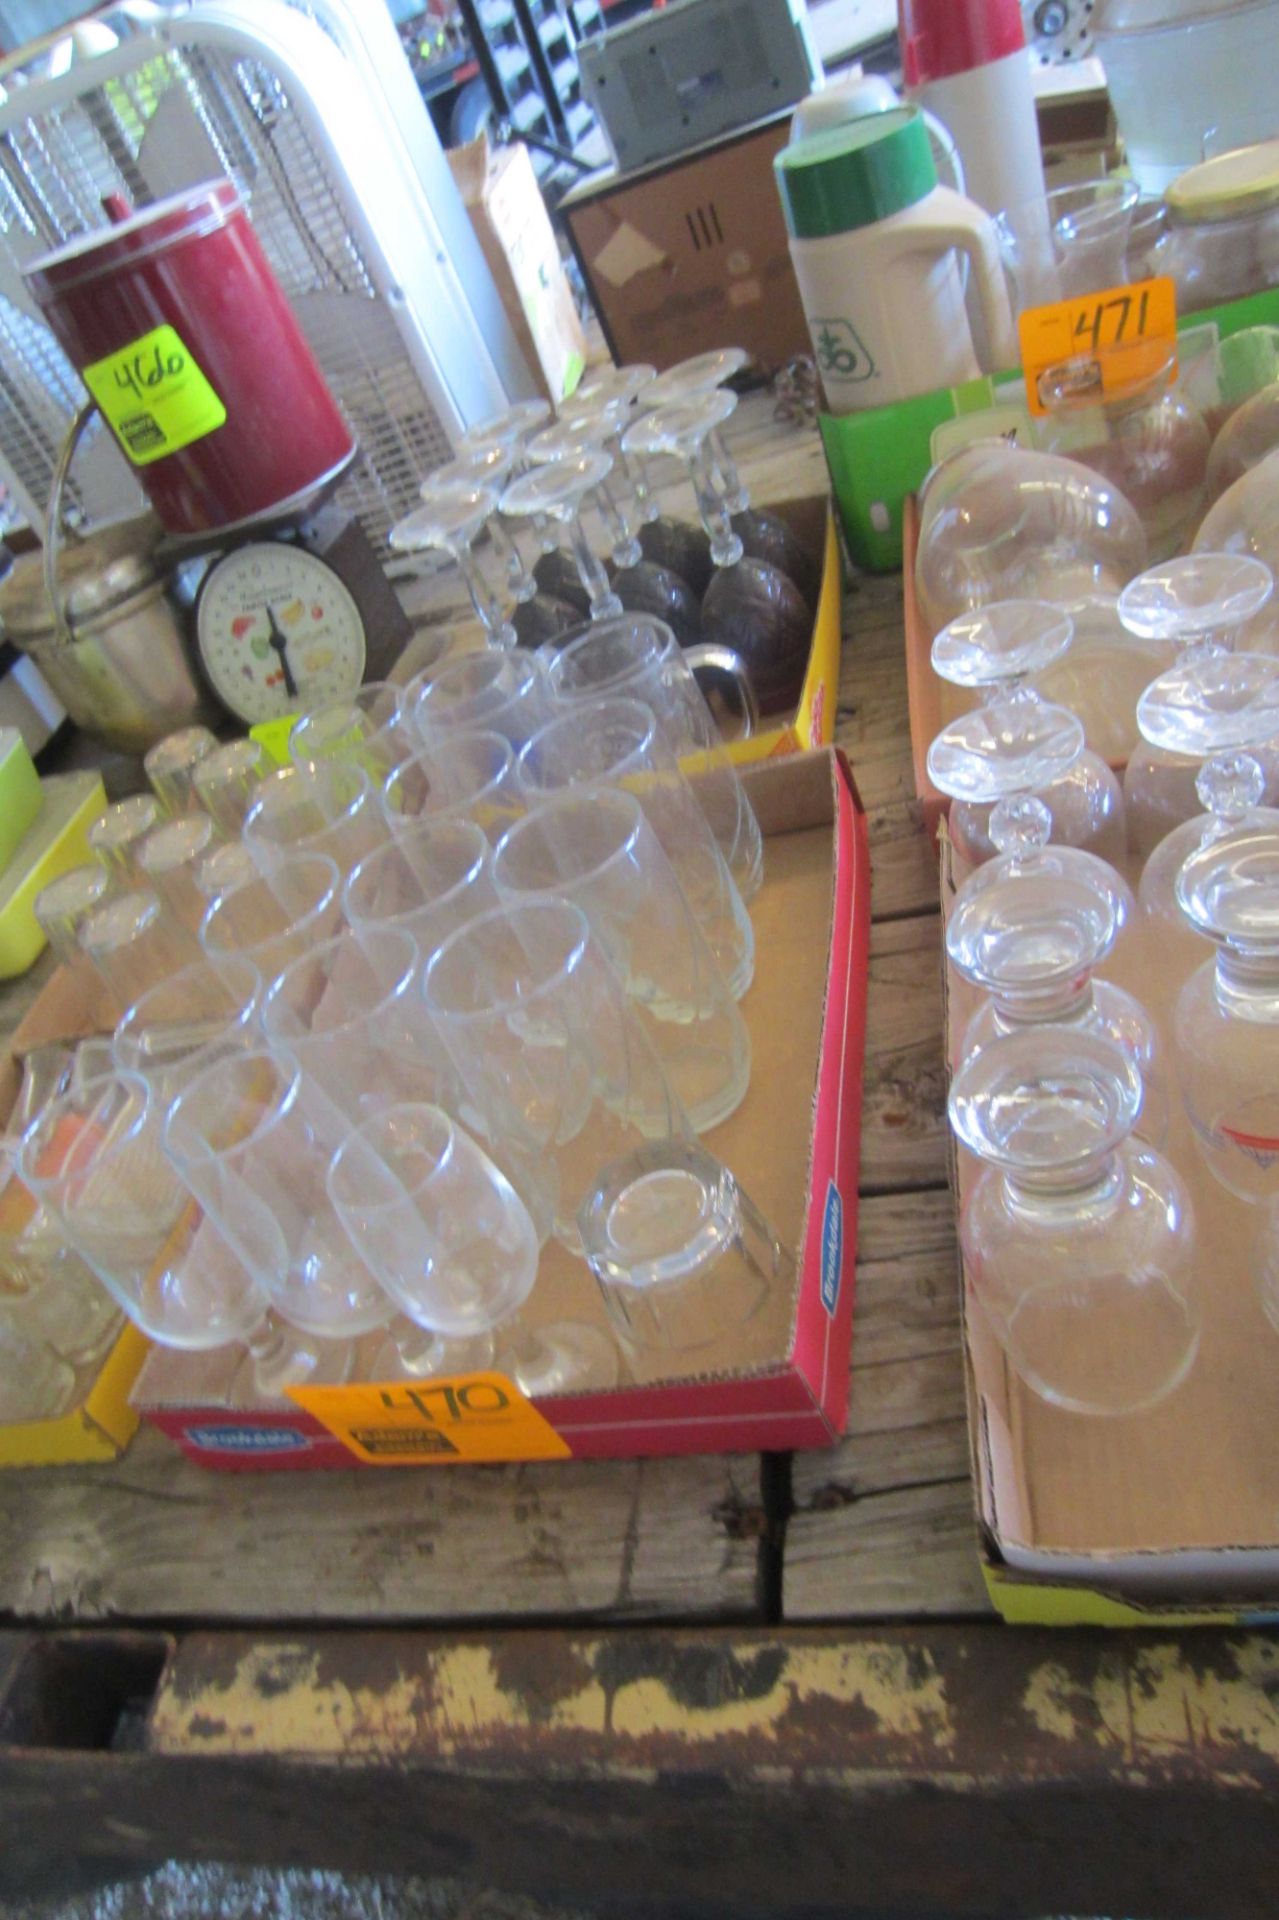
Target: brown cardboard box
point(691, 253)
point(510, 219)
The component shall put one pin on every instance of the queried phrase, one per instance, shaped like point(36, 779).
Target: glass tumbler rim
point(223, 967)
point(366, 1135)
point(401, 985)
point(441, 749)
point(194, 1149)
point(596, 803)
point(434, 826)
point(660, 636)
point(333, 774)
point(573, 725)
point(551, 977)
point(321, 866)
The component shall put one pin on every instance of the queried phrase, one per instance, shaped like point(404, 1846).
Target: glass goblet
point(614, 496)
point(451, 524)
point(558, 491)
point(489, 470)
point(1198, 603)
point(1078, 1240)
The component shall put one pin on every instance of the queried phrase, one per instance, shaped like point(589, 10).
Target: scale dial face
point(277, 632)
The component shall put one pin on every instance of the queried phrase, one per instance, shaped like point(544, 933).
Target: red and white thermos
point(967, 62)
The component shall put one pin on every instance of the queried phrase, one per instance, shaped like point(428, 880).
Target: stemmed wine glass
point(451, 524)
point(558, 491)
point(1019, 742)
point(1199, 603)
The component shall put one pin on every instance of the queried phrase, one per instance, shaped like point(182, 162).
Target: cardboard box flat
point(500, 190)
point(1172, 1514)
point(691, 254)
point(782, 1381)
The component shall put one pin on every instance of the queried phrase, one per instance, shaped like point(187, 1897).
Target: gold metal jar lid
point(1227, 188)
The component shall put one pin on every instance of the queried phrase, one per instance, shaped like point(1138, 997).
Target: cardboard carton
point(688, 254)
point(514, 229)
point(782, 1380)
point(1163, 1517)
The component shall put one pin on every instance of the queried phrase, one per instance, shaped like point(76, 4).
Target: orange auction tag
point(426, 1423)
point(1100, 343)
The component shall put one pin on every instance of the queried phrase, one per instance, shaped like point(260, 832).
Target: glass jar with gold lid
point(1222, 240)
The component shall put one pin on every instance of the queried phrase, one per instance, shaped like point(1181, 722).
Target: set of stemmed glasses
point(581, 484)
point(1078, 1236)
point(460, 979)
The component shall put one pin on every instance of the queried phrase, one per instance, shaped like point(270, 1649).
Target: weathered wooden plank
point(964, 1770)
point(904, 1090)
point(153, 1536)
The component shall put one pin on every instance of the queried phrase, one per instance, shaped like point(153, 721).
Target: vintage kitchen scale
point(193, 357)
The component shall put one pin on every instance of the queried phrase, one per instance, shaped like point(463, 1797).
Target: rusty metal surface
point(965, 1770)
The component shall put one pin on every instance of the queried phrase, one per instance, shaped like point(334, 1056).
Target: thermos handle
point(957, 222)
point(53, 522)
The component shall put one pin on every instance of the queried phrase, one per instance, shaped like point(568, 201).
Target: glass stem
point(636, 471)
point(487, 607)
point(724, 469)
point(726, 548)
point(620, 527)
point(604, 602)
point(507, 553)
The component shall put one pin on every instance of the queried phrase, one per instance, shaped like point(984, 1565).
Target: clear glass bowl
point(999, 522)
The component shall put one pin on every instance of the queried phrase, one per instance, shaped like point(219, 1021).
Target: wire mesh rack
point(180, 116)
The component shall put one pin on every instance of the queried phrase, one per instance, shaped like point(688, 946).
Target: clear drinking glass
point(170, 767)
point(469, 774)
point(224, 869)
point(62, 906)
point(370, 728)
point(617, 742)
point(550, 1051)
point(252, 1137)
point(226, 782)
point(641, 660)
point(431, 879)
point(593, 846)
point(1198, 603)
point(1143, 435)
point(452, 524)
point(684, 1258)
point(487, 692)
point(170, 856)
point(184, 1023)
point(1078, 1241)
point(46, 1289)
point(95, 1159)
point(330, 807)
point(114, 836)
point(446, 1234)
point(1030, 929)
point(1245, 520)
point(557, 493)
point(271, 919)
point(1069, 242)
point(350, 1012)
point(1226, 1020)
point(132, 943)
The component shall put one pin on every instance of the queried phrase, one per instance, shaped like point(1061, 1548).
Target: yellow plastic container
point(56, 841)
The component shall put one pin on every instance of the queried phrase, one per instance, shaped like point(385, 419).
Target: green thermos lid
point(852, 175)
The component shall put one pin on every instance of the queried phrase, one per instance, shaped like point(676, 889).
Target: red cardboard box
point(793, 1144)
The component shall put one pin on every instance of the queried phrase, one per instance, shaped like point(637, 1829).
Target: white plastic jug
point(876, 246)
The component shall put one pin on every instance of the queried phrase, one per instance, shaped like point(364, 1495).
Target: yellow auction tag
point(154, 396)
point(1100, 343)
point(427, 1423)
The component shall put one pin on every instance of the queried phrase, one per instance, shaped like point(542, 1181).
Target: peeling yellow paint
point(277, 1702)
point(1157, 1704)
